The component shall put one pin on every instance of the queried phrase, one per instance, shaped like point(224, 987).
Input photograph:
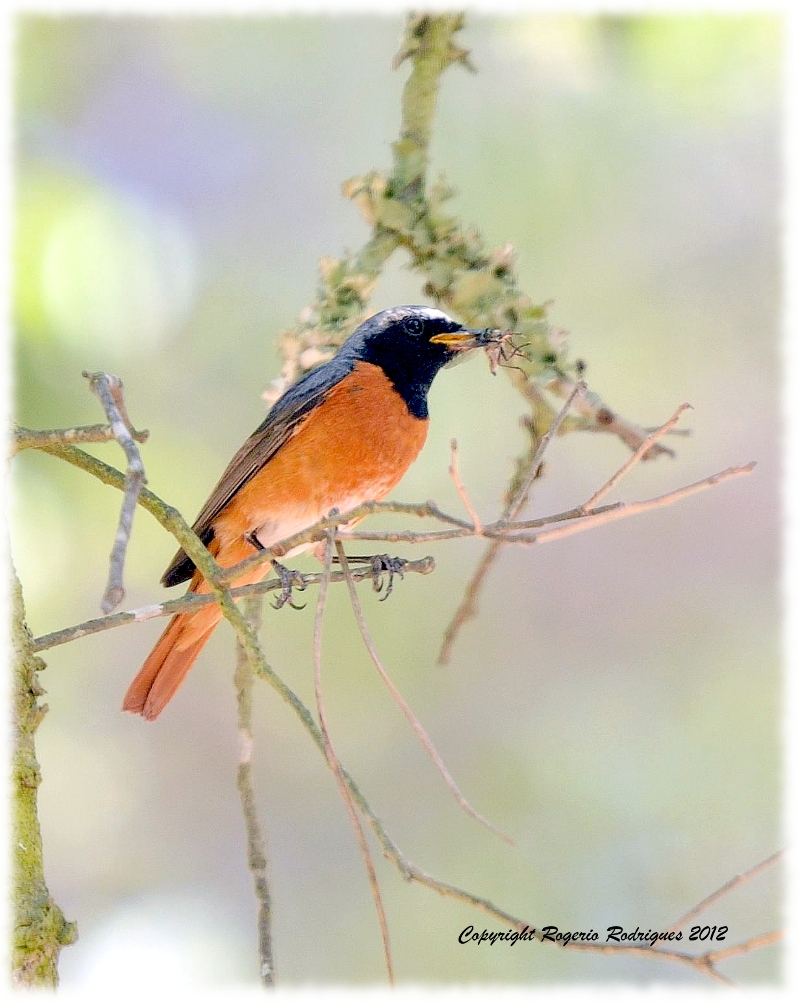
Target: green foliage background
point(617, 705)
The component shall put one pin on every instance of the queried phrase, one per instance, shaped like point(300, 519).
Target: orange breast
point(354, 447)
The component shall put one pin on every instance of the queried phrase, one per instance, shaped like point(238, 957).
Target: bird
point(343, 434)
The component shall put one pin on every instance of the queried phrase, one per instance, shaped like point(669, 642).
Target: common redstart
point(345, 433)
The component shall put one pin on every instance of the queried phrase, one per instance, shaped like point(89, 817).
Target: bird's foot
point(289, 580)
point(384, 568)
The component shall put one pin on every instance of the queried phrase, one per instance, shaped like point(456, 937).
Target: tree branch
point(598, 417)
point(40, 930)
point(455, 476)
point(256, 842)
point(625, 509)
point(191, 600)
point(108, 390)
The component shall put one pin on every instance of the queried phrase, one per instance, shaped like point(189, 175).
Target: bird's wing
point(279, 425)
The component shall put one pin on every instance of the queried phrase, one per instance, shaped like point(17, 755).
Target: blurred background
point(616, 707)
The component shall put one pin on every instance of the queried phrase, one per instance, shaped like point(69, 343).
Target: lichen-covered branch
point(477, 283)
point(388, 203)
point(40, 930)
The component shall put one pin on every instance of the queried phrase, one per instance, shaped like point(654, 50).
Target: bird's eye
point(414, 326)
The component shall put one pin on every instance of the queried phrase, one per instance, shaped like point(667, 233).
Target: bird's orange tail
point(183, 640)
point(170, 660)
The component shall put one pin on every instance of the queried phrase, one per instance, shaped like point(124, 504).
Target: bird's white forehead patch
point(427, 312)
point(433, 313)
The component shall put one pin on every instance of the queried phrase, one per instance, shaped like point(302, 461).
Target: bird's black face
point(411, 344)
point(421, 331)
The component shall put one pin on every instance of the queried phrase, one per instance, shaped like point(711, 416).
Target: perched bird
point(345, 433)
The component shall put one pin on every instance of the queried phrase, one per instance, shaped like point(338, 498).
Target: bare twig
point(726, 888)
point(28, 438)
point(697, 961)
point(634, 458)
point(626, 509)
point(602, 419)
point(468, 607)
point(763, 940)
point(256, 843)
point(575, 520)
point(515, 504)
point(419, 731)
point(108, 389)
point(706, 962)
point(335, 763)
point(462, 491)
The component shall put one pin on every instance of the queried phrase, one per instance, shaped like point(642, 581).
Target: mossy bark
point(40, 930)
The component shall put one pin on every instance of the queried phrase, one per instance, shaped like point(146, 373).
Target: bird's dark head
point(411, 344)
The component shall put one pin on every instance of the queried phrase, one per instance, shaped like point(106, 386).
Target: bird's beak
point(459, 341)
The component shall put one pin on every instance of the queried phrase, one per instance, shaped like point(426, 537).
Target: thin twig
point(697, 961)
point(704, 963)
point(468, 607)
point(603, 419)
point(108, 390)
point(316, 532)
point(462, 491)
point(707, 961)
point(508, 533)
point(725, 889)
point(335, 764)
point(256, 843)
point(515, 504)
point(28, 438)
point(627, 509)
point(634, 458)
point(419, 731)
point(574, 521)
point(763, 940)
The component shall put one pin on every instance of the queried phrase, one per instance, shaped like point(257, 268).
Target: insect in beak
point(461, 341)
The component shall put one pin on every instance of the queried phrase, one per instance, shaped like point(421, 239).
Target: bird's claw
point(290, 580)
point(381, 565)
